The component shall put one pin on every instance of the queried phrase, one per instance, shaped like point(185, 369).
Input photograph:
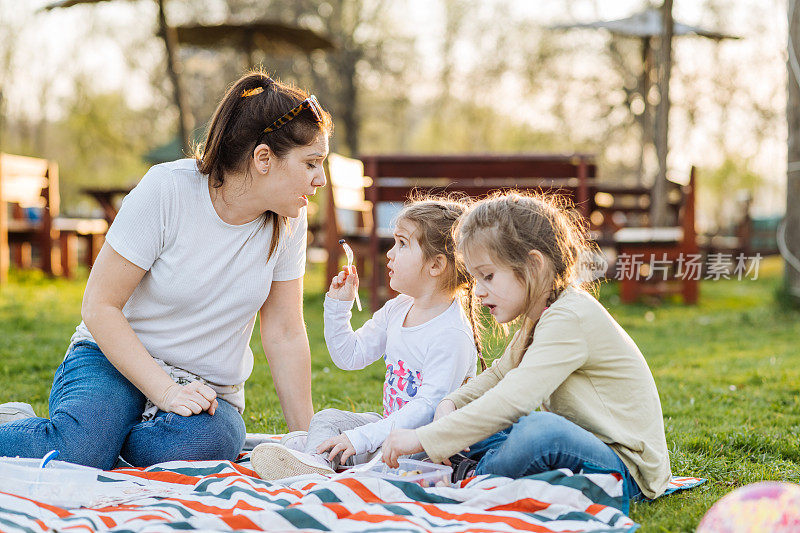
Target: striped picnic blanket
point(228, 496)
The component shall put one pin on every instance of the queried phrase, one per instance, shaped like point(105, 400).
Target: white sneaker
point(15, 411)
point(295, 440)
point(271, 461)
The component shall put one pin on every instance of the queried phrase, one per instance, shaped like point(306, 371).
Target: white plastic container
point(422, 473)
point(58, 483)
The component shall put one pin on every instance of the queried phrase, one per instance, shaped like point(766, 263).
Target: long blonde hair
point(509, 225)
point(435, 218)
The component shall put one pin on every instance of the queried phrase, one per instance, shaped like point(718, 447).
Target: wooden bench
point(616, 206)
point(671, 249)
point(29, 184)
point(348, 214)
point(395, 177)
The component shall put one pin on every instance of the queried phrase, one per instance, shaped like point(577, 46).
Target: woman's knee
point(231, 434)
point(200, 437)
point(216, 437)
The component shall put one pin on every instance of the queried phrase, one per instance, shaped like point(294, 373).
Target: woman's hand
point(336, 445)
point(188, 400)
point(400, 442)
point(444, 408)
point(344, 285)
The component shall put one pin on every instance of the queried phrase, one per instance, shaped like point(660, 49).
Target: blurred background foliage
point(441, 76)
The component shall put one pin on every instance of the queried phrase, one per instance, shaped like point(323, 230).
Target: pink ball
point(767, 506)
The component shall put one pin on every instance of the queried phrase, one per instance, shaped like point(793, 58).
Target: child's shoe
point(463, 467)
point(295, 440)
point(271, 461)
point(12, 411)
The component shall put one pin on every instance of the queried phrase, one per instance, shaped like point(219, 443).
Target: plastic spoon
point(349, 253)
point(49, 457)
point(358, 468)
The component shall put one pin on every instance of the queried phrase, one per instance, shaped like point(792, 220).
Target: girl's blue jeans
point(95, 416)
point(543, 441)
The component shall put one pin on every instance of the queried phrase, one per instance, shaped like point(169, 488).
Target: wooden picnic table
point(107, 198)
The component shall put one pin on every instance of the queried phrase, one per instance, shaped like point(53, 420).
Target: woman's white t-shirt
point(196, 305)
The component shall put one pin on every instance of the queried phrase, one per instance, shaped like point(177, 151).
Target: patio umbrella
point(268, 36)
point(645, 26)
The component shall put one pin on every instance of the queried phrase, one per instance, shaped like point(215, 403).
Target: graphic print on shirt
point(400, 386)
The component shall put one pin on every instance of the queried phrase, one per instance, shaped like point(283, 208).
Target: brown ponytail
point(237, 127)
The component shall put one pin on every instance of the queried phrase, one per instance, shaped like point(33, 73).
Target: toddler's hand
point(400, 442)
point(188, 400)
point(336, 445)
point(344, 285)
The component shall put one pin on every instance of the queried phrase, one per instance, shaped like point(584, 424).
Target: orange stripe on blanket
point(361, 491)
point(463, 482)
point(167, 477)
point(108, 521)
point(146, 517)
point(475, 517)
point(594, 508)
point(240, 522)
point(58, 511)
point(526, 505)
point(363, 516)
point(41, 524)
point(340, 510)
point(244, 470)
point(121, 507)
point(197, 506)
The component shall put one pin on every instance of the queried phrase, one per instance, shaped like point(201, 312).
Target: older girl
point(599, 404)
point(156, 370)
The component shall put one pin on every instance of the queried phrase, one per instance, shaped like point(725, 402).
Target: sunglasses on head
point(309, 103)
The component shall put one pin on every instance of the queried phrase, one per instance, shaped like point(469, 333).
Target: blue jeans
point(95, 416)
point(543, 441)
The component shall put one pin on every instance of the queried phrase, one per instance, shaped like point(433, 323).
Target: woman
point(155, 371)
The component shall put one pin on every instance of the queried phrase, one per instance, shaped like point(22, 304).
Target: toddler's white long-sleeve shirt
point(424, 363)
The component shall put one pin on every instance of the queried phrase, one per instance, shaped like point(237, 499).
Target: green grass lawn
point(728, 371)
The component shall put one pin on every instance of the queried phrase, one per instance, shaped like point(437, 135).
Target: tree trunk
point(185, 121)
point(645, 119)
point(658, 208)
point(350, 101)
point(792, 221)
